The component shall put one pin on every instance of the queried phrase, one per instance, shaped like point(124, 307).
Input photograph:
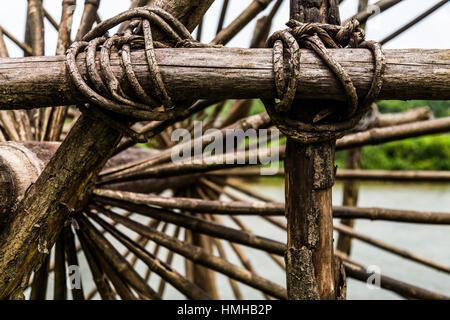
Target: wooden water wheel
point(148, 228)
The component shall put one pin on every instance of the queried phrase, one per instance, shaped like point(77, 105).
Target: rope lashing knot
point(286, 63)
point(105, 90)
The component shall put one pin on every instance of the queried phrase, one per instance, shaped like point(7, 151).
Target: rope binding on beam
point(286, 61)
point(105, 91)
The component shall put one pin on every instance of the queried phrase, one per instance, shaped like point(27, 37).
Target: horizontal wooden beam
point(222, 73)
point(352, 174)
point(261, 208)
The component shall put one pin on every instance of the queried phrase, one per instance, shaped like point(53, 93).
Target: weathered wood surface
point(261, 208)
point(342, 174)
point(51, 201)
point(374, 9)
point(21, 164)
point(403, 176)
point(233, 73)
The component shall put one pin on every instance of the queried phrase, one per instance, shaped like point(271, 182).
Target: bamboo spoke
point(200, 256)
point(113, 257)
point(377, 7)
point(60, 289)
point(261, 208)
point(72, 260)
point(40, 281)
point(100, 280)
point(199, 225)
point(388, 283)
point(177, 280)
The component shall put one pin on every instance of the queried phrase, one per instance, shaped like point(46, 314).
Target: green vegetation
point(438, 108)
point(424, 153)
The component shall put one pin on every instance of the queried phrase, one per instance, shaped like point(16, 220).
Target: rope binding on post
point(286, 61)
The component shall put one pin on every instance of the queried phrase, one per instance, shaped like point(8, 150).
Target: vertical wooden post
point(309, 171)
point(350, 193)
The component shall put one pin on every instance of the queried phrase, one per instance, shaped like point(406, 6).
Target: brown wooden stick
point(388, 175)
point(212, 193)
point(350, 197)
point(203, 277)
point(72, 260)
point(241, 255)
point(35, 22)
point(245, 17)
point(223, 14)
point(88, 18)
point(388, 283)
point(413, 22)
point(199, 255)
point(120, 286)
point(25, 47)
point(345, 230)
point(50, 19)
point(60, 289)
point(234, 286)
point(7, 124)
point(398, 132)
point(194, 205)
point(57, 115)
point(392, 215)
point(262, 28)
point(345, 174)
point(168, 261)
point(113, 257)
point(22, 121)
point(253, 122)
point(377, 7)
point(222, 73)
point(178, 281)
point(40, 281)
point(3, 48)
point(242, 208)
point(380, 244)
point(199, 225)
point(100, 280)
point(113, 275)
point(353, 161)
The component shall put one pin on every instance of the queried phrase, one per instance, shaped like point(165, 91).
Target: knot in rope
point(319, 37)
point(105, 89)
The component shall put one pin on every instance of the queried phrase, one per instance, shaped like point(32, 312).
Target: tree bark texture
point(309, 177)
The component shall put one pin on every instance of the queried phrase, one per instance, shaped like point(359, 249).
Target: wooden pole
point(351, 187)
point(377, 7)
point(350, 197)
point(414, 21)
point(309, 177)
point(223, 73)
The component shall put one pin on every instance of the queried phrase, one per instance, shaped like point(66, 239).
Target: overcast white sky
point(423, 35)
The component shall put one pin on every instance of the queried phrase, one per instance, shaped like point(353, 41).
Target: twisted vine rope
point(319, 37)
point(108, 94)
point(106, 91)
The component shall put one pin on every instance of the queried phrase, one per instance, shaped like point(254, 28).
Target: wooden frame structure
point(72, 184)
